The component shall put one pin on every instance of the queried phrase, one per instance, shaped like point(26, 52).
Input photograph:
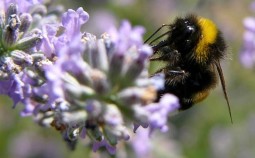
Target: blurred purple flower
point(141, 143)
point(101, 22)
point(32, 145)
point(252, 5)
point(24, 5)
point(159, 112)
point(98, 144)
point(247, 55)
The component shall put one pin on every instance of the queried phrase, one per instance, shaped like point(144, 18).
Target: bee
point(191, 56)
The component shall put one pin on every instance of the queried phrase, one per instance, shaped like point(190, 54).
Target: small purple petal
point(83, 133)
point(83, 16)
point(145, 52)
point(29, 108)
point(47, 47)
point(113, 116)
point(126, 37)
point(104, 143)
point(136, 35)
point(170, 102)
point(73, 20)
point(158, 81)
point(159, 112)
point(141, 143)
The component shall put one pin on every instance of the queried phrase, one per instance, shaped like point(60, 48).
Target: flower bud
point(99, 81)
point(39, 9)
point(79, 91)
point(116, 69)
point(38, 56)
point(19, 57)
point(11, 31)
point(13, 22)
point(76, 118)
point(99, 57)
point(11, 10)
point(26, 21)
point(28, 42)
point(111, 138)
point(131, 96)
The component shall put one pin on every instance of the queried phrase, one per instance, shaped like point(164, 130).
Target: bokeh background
point(204, 131)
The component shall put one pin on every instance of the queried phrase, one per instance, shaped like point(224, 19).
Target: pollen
point(208, 36)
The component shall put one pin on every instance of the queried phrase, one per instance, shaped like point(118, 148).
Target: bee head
point(185, 33)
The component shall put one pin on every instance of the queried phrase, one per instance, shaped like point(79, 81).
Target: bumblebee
point(191, 56)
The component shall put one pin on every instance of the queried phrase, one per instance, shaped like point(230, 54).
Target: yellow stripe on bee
point(208, 36)
point(200, 96)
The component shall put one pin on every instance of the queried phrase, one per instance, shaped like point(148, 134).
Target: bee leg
point(159, 45)
point(167, 54)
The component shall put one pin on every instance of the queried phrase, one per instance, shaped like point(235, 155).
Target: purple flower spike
point(83, 86)
point(247, 55)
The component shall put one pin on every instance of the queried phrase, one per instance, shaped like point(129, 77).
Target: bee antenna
point(163, 25)
point(224, 88)
point(160, 36)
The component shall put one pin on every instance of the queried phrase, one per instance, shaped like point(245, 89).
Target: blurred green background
point(204, 131)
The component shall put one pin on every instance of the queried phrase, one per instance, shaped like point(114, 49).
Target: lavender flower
point(141, 143)
point(106, 81)
point(83, 86)
point(17, 51)
point(247, 55)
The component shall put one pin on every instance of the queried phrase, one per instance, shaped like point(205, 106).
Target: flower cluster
point(18, 52)
point(247, 55)
point(83, 86)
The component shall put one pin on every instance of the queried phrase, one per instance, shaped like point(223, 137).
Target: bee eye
point(190, 30)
